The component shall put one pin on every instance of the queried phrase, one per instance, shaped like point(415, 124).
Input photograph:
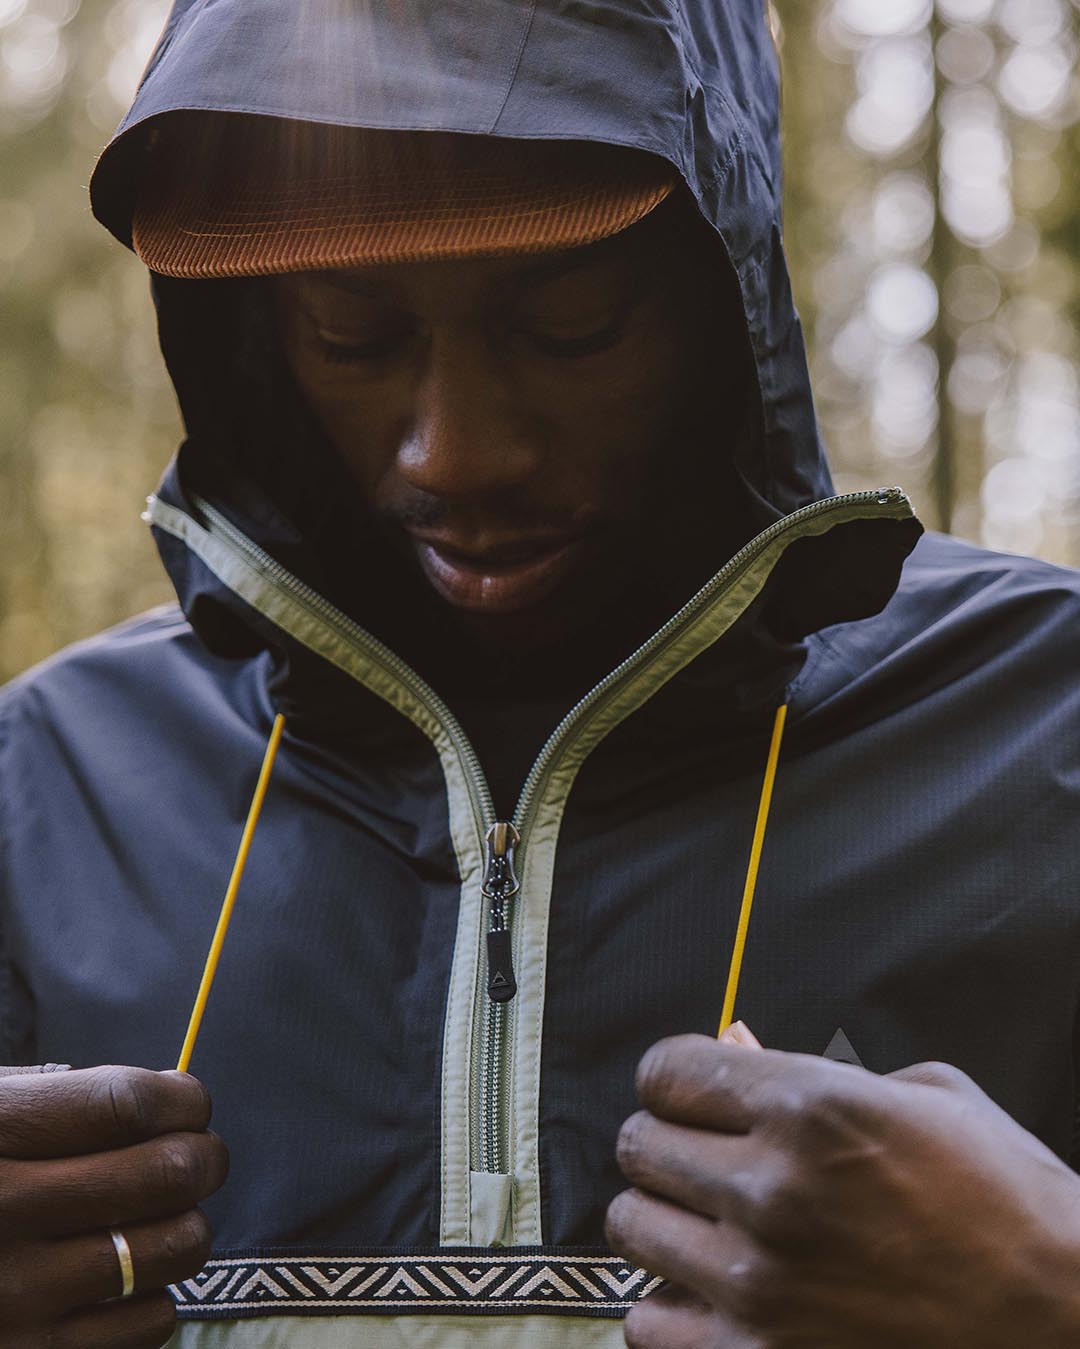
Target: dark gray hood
point(696, 84)
point(693, 83)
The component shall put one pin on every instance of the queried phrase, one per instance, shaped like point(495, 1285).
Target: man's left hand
point(791, 1201)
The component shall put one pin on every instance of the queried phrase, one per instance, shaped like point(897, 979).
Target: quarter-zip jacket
point(415, 1160)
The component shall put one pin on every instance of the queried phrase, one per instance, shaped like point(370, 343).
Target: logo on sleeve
point(841, 1050)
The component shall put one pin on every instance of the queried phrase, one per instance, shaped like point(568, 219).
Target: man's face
point(512, 421)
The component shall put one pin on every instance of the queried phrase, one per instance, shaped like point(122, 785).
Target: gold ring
point(127, 1268)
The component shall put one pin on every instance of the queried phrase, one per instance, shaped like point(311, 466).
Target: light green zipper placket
point(507, 1105)
point(538, 817)
point(270, 589)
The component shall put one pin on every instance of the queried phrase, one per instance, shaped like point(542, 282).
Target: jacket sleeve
point(16, 1035)
point(5, 973)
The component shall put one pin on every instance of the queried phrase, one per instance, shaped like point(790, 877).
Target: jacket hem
point(460, 1282)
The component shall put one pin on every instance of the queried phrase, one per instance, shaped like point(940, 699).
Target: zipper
point(494, 1103)
point(380, 655)
point(488, 1067)
point(611, 685)
point(500, 885)
point(504, 841)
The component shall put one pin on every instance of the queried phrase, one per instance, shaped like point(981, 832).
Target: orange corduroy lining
point(227, 195)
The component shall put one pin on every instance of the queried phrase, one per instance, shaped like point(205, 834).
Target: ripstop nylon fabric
point(891, 900)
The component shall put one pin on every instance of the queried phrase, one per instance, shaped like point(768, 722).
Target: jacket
point(416, 1160)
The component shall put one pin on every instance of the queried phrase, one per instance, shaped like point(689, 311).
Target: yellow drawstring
point(727, 1015)
point(224, 918)
point(230, 895)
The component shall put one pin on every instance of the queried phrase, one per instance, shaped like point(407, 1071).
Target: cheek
point(357, 418)
point(607, 423)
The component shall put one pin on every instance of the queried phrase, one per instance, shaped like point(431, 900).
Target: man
point(502, 485)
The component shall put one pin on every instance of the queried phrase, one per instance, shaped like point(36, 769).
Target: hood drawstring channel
point(739, 948)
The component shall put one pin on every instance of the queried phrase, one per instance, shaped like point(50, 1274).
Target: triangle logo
point(841, 1050)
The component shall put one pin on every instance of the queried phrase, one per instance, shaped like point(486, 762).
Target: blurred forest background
point(933, 224)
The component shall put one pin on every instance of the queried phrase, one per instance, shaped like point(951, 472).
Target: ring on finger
point(127, 1266)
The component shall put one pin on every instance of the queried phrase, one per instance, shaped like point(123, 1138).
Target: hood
point(696, 84)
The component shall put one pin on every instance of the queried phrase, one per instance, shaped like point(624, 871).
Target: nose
point(469, 438)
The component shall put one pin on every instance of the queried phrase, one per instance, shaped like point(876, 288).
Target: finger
point(80, 1271)
point(671, 1318)
point(942, 1075)
point(39, 1068)
point(69, 1195)
point(710, 1260)
point(692, 1079)
point(136, 1323)
point(94, 1109)
point(665, 1239)
point(718, 1175)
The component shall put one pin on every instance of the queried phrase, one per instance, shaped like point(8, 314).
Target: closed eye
point(380, 343)
point(588, 343)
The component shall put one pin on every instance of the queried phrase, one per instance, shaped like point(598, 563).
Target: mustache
point(513, 515)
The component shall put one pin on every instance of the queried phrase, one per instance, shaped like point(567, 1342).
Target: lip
point(503, 578)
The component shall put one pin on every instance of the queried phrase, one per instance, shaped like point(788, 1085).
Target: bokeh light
point(84, 429)
point(943, 300)
point(933, 223)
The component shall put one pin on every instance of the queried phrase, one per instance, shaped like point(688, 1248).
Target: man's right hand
point(83, 1153)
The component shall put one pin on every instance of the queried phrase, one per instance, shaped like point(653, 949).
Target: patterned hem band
point(474, 1283)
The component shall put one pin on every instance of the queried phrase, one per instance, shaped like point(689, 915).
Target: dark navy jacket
point(399, 1150)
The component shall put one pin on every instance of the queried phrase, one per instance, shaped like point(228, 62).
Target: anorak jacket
point(415, 1162)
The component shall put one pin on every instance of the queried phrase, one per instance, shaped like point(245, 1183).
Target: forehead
point(518, 272)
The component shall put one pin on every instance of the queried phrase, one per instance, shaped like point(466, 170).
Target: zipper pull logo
point(499, 885)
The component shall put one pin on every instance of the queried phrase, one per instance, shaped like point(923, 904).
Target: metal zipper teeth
point(492, 1156)
point(890, 496)
point(487, 1059)
point(479, 1139)
point(494, 1109)
point(488, 1132)
point(382, 656)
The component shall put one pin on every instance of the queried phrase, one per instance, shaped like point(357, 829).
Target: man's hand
point(791, 1201)
point(82, 1153)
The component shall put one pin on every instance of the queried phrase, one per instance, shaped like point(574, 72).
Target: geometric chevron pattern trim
point(475, 1283)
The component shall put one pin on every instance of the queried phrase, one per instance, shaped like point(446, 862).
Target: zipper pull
point(499, 885)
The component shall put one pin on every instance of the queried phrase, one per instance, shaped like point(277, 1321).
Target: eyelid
point(326, 332)
point(591, 343)
point(374, 338)
point(383, 346)
point(606, 332)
